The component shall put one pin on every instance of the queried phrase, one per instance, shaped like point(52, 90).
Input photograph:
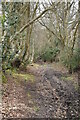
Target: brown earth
point(41, 91)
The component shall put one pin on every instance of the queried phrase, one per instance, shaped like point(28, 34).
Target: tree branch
point(43, 24)
point(29, 23)
point(74, 36)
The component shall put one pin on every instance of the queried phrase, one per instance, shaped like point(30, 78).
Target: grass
point(4, 79)
point(70, 78)
point(29, 95)
point(67, 78)
point(18, 76)
point(35, 65)
point(76, 86)
point(36, 108)
point(26, 77)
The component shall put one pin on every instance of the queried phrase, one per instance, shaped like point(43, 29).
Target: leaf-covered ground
point(41, 91)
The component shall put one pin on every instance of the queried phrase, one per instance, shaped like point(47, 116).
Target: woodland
point(40, 59)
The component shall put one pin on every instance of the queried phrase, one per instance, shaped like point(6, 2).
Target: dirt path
point(40, 92)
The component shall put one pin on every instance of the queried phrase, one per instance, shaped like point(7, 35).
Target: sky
point(33, 0)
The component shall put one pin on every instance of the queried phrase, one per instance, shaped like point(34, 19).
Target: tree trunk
point(27, 41)
point(3, 14)
point(79, 25)
point(74, 36)
point(79, 49)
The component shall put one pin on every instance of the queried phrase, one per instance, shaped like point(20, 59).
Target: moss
point(26, 77)
point(36, 108)
point(4, 79)
point(67, 78)
point(76, 86)
point(12, 70)
point(35, 65)
point(29, 95)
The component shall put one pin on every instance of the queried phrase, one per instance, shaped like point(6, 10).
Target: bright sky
point(34, 0)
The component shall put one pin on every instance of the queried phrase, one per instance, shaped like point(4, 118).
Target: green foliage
point(4, 79)
point(6, 66)
point(50, 54)
point(36, 108)
point(2, 19)
point(67, 78)
point(73, 61)
point(26, 77)
point(10, 22)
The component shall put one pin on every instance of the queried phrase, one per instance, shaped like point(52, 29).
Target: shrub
point(50, 54)
point(71, 62)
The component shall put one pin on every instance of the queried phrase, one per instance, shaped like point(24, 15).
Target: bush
point(71, 62)
point(50, 54)
point(75, 60)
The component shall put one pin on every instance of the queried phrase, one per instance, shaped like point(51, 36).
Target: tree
point(13, 46)
point(79, 24)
